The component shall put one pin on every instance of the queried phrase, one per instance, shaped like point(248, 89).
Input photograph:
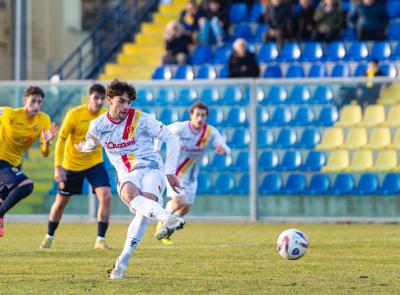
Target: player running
point(196, 136)
point(19, 128)
point(72, 167)
point(127, 136)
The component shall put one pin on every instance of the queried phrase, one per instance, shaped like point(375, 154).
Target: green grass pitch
point(205, 259)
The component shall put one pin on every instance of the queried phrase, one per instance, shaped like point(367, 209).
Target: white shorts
point(147, 180)
point(188, 192)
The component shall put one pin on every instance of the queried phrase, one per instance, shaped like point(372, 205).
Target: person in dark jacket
point(176, 44)
point(242, 62)
point(189, 18)
point(329, 20)
point(215, 23)
point(304, 24)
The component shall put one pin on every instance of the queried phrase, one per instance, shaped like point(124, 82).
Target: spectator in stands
point(304, 25)
point(189, 19)
point(242, 62)
point(370, 19)
point(369, 93)
point(277, 16)
point(329, 20)
point(215, 23)
point(176, 44)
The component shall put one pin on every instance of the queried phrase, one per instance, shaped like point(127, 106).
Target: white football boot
point(118, 271)
point(170, 225)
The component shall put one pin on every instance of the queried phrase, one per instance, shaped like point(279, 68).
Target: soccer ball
point(292, 244)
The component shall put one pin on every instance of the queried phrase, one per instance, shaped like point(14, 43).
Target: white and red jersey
point(129, 143)
point(193, 145)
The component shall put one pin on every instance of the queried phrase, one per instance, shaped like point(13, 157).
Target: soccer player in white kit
point(195, 138)
point(127, 137)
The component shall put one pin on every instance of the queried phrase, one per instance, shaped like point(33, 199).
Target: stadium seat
point(394, 31)
point(243, 186)
point(358, 51)
point(162, 73)
point(164, 96)
point(276, 95)
point(356, 138)
point(374, 115)
point(185, 116)
point(215, 117)
point(389, 70)
point(300, 94)
point(271, 184)
point(319, 185)
point(312, 51)
point(145, 96)
point(235, 95)
point(368, 184)
point(206, 72)
point(222, 53)
point(273, 71)
point(381, 50)
point(393, 9)
point(262, 116)
point(184, 72)
point(362, 160)
point(257, 9)
point(393, 117)
point(343, 185)
point(281, 116)
point(390, 185)
point(291, 160)
point(169, 116)
point(335, 51)
point(220, 163)
point(268, 52)
point(332, 138)
point(201, 54)
point(241, 162)
point(286, 138)
point(303, 117)
point(210, 96)
point(386, 160)
point(348, 34)
point(268, 160)
point(295, 71)
point(338, 160)
point(236, 117)
point(396, 50)
point(350, 115)
point(238, 12)
point(380, 138)
point(242, 31)
point(240, 138)
point(290, 52)
point(360, 70)
point(224, 184)
point(322, 95)
point(265, 138)
point(223, 72)
point(317, 70)
point(260, 32)
point(203, 184)
point(186, 96)
point(309, 138)
point(340, 70)
point(396, 140)
point(295, 184)
point(315, 160)
point(327, 116)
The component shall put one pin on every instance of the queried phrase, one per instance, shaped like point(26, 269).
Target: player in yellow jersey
point(19, 128)
point(72, 167)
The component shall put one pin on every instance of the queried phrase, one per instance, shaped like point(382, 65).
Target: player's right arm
point(67, 128)
point(92, 140)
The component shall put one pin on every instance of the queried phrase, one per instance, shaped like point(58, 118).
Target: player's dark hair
point(97, 88)
point(118, 88)
point(34, 90)
point(199, 105)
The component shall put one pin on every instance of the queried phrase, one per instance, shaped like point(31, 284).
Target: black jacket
point(245, 66)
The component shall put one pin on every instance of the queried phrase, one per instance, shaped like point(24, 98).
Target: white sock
point(149, 208)
point(100, 239)
point(136, 230)
point(168, 207)
point(49, 237)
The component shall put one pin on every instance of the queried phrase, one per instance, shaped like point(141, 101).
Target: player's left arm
point(219, 144)
point(49, 131)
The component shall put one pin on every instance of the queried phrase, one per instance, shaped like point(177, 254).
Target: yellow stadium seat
point(393, 118)
point(356, 138)
point(362, 160)
point(374, 115)
point(338, 160)
point(380, 138)
point(386, 161)
point(333, 138)
point(350, 115)
point(396, 140)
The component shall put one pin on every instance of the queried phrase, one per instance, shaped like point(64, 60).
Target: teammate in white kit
point(195, 137)
point(127, 137)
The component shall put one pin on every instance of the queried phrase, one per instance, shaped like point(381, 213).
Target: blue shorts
point(10, 177)
point(97, 177)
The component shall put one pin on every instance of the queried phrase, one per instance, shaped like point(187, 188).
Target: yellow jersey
point(73, 131)
point(18, 132)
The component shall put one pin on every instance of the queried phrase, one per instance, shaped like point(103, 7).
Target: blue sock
point(101, 229)
point(16, 195)
point(51, 227)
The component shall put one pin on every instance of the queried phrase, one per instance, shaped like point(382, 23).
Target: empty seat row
point(288, 138)
point(374, 115)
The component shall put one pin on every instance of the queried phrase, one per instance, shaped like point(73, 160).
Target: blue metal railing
point(104, 40)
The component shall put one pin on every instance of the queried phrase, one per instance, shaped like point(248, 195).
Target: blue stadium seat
point(393, 8)
point(322, 95)
point(236, 117)
point(286, 138)
point(238, 12)
point(368, 184)
point(240, 138)
point(268, 160)
point(295, 184)
point(300, 94)
point(349, 34)
point(201, 54)
point(343, 185)
point(394, 31)
point(203, 184)
point(281, 116)
point(164, 96)
point(184, 116)
point(168, 116)
point(222, 53)
point(242, 31)
point(340, 70)
point(224, 184)
point(268, 52)
point(235, 95)
point(276, 95)
point(309, 138)
point(312, 51)
point(265, 138)
point(145, 96)
point(290, 52)
point(317, 70)
point(295, 71)
point(223, 72)
point(319, 185)
point(381, 50)
point(186, 96)
point(396, 52)
point(358, 51)
point(291, 160)
point(315, 160)
point(327, 116)
point(389, 70)
point(243, 186)
point(304, 117)
point(262, 116)
point(360, 70)
point(273, 71)
point(335, 51)
point(390, 185)
point(162, 73)
point(220, 163)
point(206, 72)
point(271, 184)
point(241, 162)
point(210, 96)
point(257, 9)
point(215, 117)
point(260, 32)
